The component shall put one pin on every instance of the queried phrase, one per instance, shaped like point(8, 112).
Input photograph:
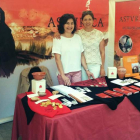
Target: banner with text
point(33, 23)
point(127, 31)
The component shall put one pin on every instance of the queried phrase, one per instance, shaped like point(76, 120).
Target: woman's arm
point(102, 52)
point(83, 61)
point(60, 69)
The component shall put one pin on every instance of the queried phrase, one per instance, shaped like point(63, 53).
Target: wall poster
point(127, 32)
point(33, 23)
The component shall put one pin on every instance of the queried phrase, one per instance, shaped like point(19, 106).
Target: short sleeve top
point(91, 41)
point(70, 50)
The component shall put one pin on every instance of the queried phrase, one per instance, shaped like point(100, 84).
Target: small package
point(39, 86)
point(130, 89)
point(102, 95)
point(126, 92)
point(113, 93)
point(112, 72)
point(134, 87)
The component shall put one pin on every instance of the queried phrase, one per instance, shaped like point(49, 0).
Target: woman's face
point(69, 26)
point(87, 21)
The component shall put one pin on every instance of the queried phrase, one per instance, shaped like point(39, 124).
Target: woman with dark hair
point(94, 47)
point(63, 21)
point(68, 52)
point(93, 44)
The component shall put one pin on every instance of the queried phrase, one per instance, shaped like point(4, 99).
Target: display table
point(94, 122)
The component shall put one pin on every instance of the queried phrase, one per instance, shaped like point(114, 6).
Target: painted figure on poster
point(8, 59)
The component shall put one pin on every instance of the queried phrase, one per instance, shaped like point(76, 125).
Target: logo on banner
point(88, 4)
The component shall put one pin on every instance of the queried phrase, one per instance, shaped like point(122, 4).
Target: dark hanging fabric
point(8, 58)
point(29, 113)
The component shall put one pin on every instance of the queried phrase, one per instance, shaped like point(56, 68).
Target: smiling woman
point(69, 26)
point(67, 21)
point(68, 52)
point(94, 46)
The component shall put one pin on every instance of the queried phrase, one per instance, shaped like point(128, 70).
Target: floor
point(6, 130)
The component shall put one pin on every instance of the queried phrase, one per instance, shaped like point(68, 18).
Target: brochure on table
point(124, 82)
point(70, 92)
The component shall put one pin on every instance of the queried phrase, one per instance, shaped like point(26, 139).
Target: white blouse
point(70, 50)
point(91, 41)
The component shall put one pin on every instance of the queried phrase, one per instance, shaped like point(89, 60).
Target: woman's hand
point(66, 80)
point(56, 35)
point(90, 74)
point(102, 72)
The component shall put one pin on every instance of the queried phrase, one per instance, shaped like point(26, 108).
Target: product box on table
point(38, 86)
point(134, 87)
point(130, 89)
point(113, 93)
point(112, 72)
point(126, 92)
point(102, 95)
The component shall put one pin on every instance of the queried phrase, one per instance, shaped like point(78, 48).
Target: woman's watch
point(86, 69)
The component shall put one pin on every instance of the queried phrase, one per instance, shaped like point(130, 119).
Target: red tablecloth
point(95, 122)
point(47, 111)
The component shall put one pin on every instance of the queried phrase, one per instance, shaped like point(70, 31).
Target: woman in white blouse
point(94, 47)
point(68, 51)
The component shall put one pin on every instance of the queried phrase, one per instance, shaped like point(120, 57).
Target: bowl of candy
point(38, 75)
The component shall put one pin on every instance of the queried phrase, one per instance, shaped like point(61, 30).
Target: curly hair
point(63, 20)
